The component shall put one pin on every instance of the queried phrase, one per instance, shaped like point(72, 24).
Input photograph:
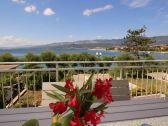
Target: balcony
point(22, 89)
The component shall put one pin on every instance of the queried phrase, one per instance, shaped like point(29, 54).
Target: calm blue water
point(22, 52)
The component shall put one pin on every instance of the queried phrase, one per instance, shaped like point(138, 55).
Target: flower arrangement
point(74, 107)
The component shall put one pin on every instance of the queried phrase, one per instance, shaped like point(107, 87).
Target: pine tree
point(135, 41)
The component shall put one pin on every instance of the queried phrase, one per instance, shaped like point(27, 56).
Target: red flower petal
point(68, 84)
point(92, 117)
point(108, 97)
point(58, 107)
point(52, 105)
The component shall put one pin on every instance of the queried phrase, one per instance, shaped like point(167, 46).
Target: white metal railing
point(22, 86)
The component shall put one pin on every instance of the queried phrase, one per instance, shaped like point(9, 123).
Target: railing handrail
point(66, 62)
point(80, 68)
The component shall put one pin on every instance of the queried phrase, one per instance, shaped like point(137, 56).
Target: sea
point(22, 52)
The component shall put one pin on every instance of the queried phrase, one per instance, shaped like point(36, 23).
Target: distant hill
point(103, 43)
point(88, 44)
point(161, 40)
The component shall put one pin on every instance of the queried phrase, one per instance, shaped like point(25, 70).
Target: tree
point(8, 57)
point(29, 57)
point(65, 57)
point(49, 56)
point(135, 41)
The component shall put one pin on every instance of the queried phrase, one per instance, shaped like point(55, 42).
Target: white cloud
point(138, 3)
point(99, 37)
point(48, 12)
point(30, 9)
point(13, 41)
point(19, 1)
point(116, 37)
point(89, 12)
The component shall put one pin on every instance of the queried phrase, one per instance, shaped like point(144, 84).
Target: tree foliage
point(135, 41)
point(8, 57)
point(31, 57)
point(48, 56)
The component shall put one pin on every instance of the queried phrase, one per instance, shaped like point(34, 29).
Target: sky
point(35, 22)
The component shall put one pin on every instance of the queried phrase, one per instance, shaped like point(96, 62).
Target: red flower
point(69, 84)
point(108, 97)
point(86, 116)
point(52, 105)
point(102, 89)
point(93, 117)
point(99, 89)
point(58, 107)
point(74, 103)
point(76, 122)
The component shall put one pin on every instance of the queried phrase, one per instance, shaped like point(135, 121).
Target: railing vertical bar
point(126, 74)
point(71, 75)
point(114, 74)
point(161, 81)
point(157, 81)
point(64, 76)
point(78, 75)
point(57, 74)
point(137, 83)
point(121, 73)
point(109, 74)
point(84, 73)
point(151, 84)
point(42, 78)
point(11, 87)
point(147, 82)
point(19, 89)
point(103, 74)
point(132, 83)
point(34, 89)
point(27, 88)
point(49, 76)
point(6, 84)
point(166, 78)
point(142, 80)
point(97, 74)
point(3, 93)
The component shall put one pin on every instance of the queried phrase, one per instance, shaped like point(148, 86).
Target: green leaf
point(78, 94)
point(32, 122)
point(67, 119)
point(88, 83)
point(55, 95)
point(62, 89)
point(101, 107)
point(67, 99)
point(57, 124)
point(85, 91)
